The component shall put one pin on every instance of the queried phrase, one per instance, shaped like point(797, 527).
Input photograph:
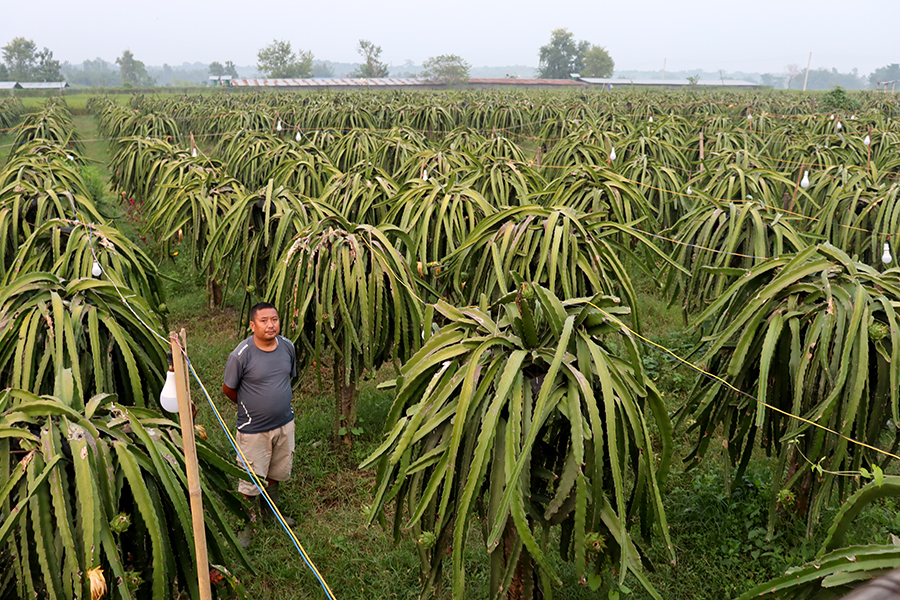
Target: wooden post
point(806, 79)
point(701, 151)
point(185, 414)
point(797, 186)
point(869, 149)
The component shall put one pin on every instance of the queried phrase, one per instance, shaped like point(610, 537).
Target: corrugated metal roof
point(10, 85)
point(326, 82)
point(667, 82)
point(519, 81)
point(43, 85)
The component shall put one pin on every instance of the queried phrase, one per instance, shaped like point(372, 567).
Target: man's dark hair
point(261, 306)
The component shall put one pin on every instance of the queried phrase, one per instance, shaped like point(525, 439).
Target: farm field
point(583, 345)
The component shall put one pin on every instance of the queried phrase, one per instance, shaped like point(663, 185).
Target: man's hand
point(231, 393)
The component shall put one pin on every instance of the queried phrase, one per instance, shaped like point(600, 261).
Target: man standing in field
point(258, 379)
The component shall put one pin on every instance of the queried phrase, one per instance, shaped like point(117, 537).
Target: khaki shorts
point(270, 454)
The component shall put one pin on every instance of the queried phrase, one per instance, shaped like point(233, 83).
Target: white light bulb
point(689, 190)
point(425, 174)
point(70, 157)
point(804, 183)
point(831, 117)
point(852, 117)
point(194, 152)
point(279, 127)
point(749, 117)
point(298, 137)
point(168, 397)
point(867, 141)
point(886, 257)
point(838, 126)
point(96, 271)
point(651, 119)
point(612, 153)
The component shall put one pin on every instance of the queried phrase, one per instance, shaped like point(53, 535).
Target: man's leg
point(280, 466)
point(256, 448)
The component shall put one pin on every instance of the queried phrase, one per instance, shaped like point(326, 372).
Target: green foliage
point(597, 63)
point(836, 570)
point(562, 56)
point(839, 99)
point(804, 335)
point(133, 71)
point(344, 288)
point(24, 62)
point(446, 68)
point(278, 61)
point(101, 485)
point(512, 422)
point(371, 67)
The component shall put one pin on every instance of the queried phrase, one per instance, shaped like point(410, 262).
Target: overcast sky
point(762, 36)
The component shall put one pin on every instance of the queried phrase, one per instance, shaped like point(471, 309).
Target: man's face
point(265, 325)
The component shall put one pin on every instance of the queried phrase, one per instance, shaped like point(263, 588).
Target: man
point(258, 379)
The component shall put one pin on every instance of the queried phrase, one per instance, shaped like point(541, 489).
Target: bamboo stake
point(183, 390)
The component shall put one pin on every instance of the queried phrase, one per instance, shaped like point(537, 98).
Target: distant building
point(43, 85)
point(220, 81)
point(10, 85)
point(668, 84)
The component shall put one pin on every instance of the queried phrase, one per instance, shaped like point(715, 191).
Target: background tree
point(372, 67)
point(4, 72)
point(771, 79)
point(216, 69)
point(231, 70)
point(132, 71)
point(279, 61)
point(47, 69)
point(597, 63)
point(562, 56)
point(792, 72)
point(19, 57)
point(446, 68)
point(889, 72)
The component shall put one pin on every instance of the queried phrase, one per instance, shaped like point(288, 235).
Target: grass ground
point(719, 540)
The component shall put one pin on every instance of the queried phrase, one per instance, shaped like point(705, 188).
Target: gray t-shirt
point(263, 383)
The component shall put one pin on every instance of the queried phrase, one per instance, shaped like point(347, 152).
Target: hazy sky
point(761, 36)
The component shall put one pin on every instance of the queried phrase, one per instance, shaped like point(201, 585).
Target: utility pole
point(809, 62)
point(664, 69)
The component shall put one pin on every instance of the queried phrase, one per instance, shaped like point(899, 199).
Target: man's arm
point(231, 393)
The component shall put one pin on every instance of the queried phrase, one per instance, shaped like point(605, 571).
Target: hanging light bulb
point(298, 137)
point(886, 257)
point(425, 174)
point(651, 119)
point(168, 397)
point(838, 126)
point(70, 157)
point(749, 117)
point(96, 271)
point(194, 152)
point(867, 141)
point(689, 190)
point(804, 183)
point(279, 127)
point(852, 117)
point(612, 153)
point(831, 117)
